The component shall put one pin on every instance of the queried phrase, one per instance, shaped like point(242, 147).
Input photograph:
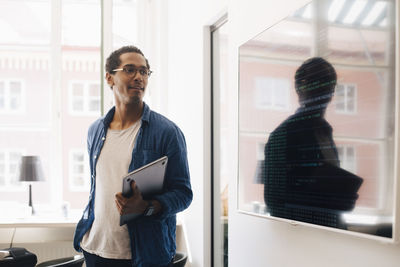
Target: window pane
point(340, 103)
point(15, 95)
point(94, 97)
point(281, 93)
point(78, 158)
point(25, 22)
point(350, 91)
point(350, 105)
point(94, 105)
point(94, 90)
point(339, 97)
point(339, 89)
point(350, 153)
point(340, 152)
point(24, 57)
point(79, 181)
point(78, 104)
point(351, 98)
point(271, 93)
point(15, 103)
point(78, 168)
point(15, 88)
point(124, 17)
point(81, 34)
point(77, 89)
point(81, 23)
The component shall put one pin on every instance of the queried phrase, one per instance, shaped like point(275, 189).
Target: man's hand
point(134, 204)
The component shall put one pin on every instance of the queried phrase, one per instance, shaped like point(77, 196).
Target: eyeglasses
point(131, 71)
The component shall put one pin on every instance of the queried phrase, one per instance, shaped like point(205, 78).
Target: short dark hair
point(113, 61)
point(315, 80)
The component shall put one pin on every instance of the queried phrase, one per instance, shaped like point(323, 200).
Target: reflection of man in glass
point(303, 180)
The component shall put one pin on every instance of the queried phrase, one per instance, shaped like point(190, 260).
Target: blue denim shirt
point(152, 238)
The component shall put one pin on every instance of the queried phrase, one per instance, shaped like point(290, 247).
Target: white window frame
point(86, 172)
point(346, 87)
point(86, 98)
point(7, 97)
point(274, 85)
point(8, 175)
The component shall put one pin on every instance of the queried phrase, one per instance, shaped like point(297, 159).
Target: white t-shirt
point(106, 238)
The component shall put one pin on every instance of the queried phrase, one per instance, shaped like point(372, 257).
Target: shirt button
point(95, 156)
point(103, 138)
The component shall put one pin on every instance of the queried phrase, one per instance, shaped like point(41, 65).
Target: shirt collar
point(146, 113)
point(110, 114)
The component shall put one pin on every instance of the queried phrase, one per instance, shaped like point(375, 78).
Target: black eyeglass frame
point(135, 70)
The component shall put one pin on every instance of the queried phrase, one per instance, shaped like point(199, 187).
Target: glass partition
point(316, 117)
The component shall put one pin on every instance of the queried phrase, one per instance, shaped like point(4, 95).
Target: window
point(271, 93)
point(359, 121)
point(11, 96)
point(57, 56)
point(79, 177)
point(347, 157)
point(9, 161)
point(345, 98)
point(84, 98)
point(61, 60)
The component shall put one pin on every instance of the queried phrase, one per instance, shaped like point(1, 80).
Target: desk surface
point(37, 222)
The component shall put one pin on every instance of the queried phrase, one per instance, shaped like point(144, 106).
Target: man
point(129, 136)
point(303, 178)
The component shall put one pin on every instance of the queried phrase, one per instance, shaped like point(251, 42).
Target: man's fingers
point(135, 189)
point(133, 185)
point(119, 196)
point(118, 207)
point(120, 200)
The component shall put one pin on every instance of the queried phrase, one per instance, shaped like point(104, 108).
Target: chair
point(179, 259)
point(75, 261)
point(18, 257)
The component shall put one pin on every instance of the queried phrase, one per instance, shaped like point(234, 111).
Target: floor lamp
point(31, 171)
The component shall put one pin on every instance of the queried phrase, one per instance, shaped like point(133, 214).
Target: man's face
point(129, 84)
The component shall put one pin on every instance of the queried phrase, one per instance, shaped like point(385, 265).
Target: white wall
point(257, 242)
point(186, 107)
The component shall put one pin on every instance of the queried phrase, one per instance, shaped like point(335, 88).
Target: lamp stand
point(30, 199)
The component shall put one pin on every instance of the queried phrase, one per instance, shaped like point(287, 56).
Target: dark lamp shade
point(30, 169)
